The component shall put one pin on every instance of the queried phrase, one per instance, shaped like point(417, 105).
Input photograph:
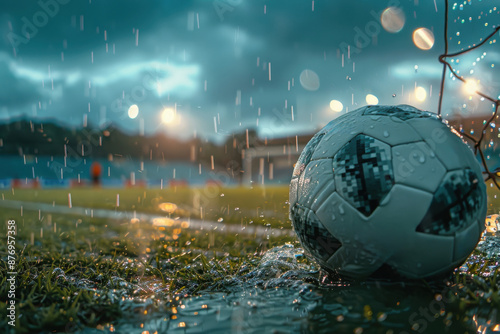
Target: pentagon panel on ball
point(388, 187)
point(338, 132)
point(393, 130)
point(438, 136)
point(416, 165)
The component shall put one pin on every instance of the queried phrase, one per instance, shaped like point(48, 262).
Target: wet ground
point(283, 294)
point(275, 290)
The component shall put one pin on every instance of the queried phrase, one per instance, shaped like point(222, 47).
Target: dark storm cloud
point(18, 89)
point(67, 17)
point(209, 59)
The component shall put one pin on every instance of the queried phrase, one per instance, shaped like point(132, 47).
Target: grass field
point(77, 272)
point(73, 269)
point(233, 205)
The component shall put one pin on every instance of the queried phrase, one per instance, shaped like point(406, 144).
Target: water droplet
point(386, 134)
point(341, 209)
point(57, 272)
point(333, 217)
point(381, 317)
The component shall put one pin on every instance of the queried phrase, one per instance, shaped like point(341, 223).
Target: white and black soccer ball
point(388, 187)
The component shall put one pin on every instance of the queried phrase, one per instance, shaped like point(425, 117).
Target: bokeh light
point(336, 105)
point(392, 19)
point(168, 116)
point(168, 207)
point(420, 94)
point(371, 99)
point(423, 38)
point(471, 86)
point(309, 80)
point(133, 111)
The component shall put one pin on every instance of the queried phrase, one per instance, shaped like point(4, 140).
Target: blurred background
point(162, 93)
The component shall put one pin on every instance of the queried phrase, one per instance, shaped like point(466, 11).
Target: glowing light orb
point(168, 116)
point(471, 86)
point(309, 80)
point(371, 99)
point(392, 19)
point(420, 94)
point(336, 106)
point(423, 38)
point(168, 207)
point(133, 111)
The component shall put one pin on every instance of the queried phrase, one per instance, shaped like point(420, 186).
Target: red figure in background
point(95, 173)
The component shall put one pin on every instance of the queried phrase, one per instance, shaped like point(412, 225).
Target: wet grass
point(493, 198)
point(87, 273)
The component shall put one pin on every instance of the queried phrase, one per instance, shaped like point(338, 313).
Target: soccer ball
point(388, 189)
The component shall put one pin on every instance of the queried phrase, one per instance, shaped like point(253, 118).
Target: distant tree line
point(25, 137)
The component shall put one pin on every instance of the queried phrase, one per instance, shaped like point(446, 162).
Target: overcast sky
point(227, 65)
